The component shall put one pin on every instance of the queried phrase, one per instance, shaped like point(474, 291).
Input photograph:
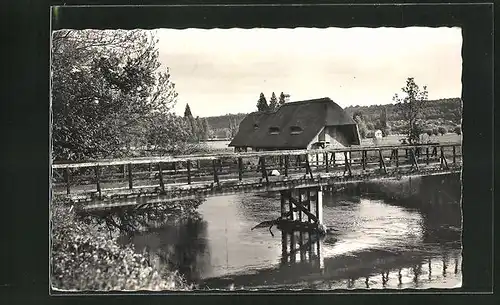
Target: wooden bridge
point(295, 173)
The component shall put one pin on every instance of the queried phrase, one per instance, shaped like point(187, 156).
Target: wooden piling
point(427, 155)
point(454, 155)
point(382, 162)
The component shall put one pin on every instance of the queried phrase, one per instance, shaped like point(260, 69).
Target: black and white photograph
point(256, 159)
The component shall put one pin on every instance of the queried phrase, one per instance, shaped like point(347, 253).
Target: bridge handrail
point(214, 156)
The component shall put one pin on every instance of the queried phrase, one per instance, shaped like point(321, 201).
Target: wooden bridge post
point(319, 205)
point(160, 175)
point(347, 164)
point(382, 162)
point(67, 178)
point(98, 180)
point(290, 206)
point(363, 159)
point(124, 171)
point(396, 155)
point(240, 168)
point(286, 165)
point(444, 162)
point(427, 155)
point(281, 162)
point(300, 203)
point(308, 204)
point(264, 169)
point(188, 165)
point(327, 169)
point(283, 196)
point(129, 168)
point(454, 155)
point(214, 167)
point(308, 167)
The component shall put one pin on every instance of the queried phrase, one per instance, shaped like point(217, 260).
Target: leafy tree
point(435, 131)
point(282, 99)
point(85, 257)
point(262, 103)
point(358, 118)
point(429, 132)
point(167, 134)
point(205, 129)
point(105, 85)
point(273, 102)
point(442, 130)
point(233, 128)
point(409, 106)
point(187, 112)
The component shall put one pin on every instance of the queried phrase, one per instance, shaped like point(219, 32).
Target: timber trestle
point(139, 181)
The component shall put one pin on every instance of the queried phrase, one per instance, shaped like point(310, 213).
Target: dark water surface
point(380, 244)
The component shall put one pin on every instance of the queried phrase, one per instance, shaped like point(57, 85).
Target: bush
point(435, 131)
point(429, 132)
point(457, 130)
point(370, 134)
point(442, 130)
point(85, 257)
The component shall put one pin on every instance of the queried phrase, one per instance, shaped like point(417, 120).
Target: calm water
point(379, 244)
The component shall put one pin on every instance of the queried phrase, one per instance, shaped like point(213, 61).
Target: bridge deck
point(110, 183)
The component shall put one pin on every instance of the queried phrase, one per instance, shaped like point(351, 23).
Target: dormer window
point(274, 130)
point(295, 130)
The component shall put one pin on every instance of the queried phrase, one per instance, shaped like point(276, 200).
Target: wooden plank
point(110, 162)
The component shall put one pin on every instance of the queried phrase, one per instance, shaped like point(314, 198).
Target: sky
point(221, 71)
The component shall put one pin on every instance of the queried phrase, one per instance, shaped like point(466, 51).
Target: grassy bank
point(86, 257)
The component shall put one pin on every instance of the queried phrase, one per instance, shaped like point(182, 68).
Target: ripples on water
point(378, 245)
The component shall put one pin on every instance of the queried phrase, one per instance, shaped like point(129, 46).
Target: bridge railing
point(214, 168)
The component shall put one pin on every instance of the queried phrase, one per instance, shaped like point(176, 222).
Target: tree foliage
point(187, 112)
point(409, 106)
point(273, 102)
point(84, 257)
point(262, 103)
point(358, 118)
point(282, 99)
point(105, 85)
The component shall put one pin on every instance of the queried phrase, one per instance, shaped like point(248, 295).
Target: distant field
point(395, 139)
point(389, 140)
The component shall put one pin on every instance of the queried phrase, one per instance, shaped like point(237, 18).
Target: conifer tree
point(262, 103)
point(273, 102)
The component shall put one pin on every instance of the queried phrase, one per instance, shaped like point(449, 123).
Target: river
point(379, 244)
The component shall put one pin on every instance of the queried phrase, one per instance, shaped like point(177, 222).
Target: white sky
point(222, 71)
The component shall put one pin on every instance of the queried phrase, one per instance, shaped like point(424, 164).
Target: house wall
point(329, 134)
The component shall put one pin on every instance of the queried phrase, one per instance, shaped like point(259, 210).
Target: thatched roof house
point(297, 125)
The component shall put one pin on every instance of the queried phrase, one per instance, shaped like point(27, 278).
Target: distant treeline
point(437, 114)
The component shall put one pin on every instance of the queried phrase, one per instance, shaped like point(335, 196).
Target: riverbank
point(85, 256)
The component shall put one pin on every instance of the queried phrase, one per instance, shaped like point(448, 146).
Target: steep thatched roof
point(309, 116)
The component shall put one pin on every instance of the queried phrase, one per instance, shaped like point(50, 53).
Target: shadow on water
point(384, 241)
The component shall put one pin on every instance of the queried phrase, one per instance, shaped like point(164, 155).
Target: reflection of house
point(309, 124)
